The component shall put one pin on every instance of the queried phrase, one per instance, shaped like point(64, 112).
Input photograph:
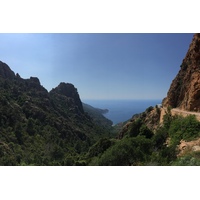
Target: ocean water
point(122, 110)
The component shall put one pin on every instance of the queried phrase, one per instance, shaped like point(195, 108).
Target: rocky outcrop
point(6, 72)
point(184, 92)
point(186, 147)
point(69, 91)
point(150, 118)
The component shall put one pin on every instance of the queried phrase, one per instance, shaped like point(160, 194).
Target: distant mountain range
point(97, 115)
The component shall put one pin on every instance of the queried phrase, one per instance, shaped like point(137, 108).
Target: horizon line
point(85, 99)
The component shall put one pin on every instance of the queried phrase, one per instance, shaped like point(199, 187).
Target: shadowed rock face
point(6, 72)
point(184, 91)
point(68, 90)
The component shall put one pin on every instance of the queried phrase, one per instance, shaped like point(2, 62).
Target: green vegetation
point(190, 159)
point(129, 151)
point(186, 128)
point(97, 115)
point(140, 146)
point(38, 127)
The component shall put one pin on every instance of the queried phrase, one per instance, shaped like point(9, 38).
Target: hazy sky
point(101, 66)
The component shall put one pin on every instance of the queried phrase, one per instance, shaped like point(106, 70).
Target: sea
point(122, 110)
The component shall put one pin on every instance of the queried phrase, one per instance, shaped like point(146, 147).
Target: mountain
point(149, 118)
point(184, 92)
point(174, 140)
point(6, 72)
point(38, 127)
point(70, 92)
point(97, 115)
point(147, 140)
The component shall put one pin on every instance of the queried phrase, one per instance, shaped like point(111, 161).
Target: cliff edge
point(184, 92)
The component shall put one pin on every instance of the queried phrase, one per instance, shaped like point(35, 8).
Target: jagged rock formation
point(68, 90)
point(184, 92)
point(5, 71)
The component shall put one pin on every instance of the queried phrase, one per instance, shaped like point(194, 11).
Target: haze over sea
point(122, 110)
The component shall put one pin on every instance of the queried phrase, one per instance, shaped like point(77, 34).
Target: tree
point(167, 118)
point(128, 151)
point(160, 137)
point(30, 127)
point(18, 133)
point(99, 147)
point(135, 128)
point(145, 131)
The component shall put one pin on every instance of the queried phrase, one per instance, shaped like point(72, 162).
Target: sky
point(101, 66)
point(150, 63)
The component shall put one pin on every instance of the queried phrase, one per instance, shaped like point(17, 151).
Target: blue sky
point(101, 66)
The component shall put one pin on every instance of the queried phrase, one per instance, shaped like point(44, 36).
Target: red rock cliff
point(184, 91)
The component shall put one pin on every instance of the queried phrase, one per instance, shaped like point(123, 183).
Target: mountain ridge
point(40, 127)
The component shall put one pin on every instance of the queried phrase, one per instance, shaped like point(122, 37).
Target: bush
point(186, 128)
point(129, 151)
point(167, 119)
point(149, 109)
point(164, 156)
point(145, 131)
point(134, 129)
point(160, 137)
point(187, 161)
point(99, 147)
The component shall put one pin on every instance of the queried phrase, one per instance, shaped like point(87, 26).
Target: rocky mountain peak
point(68, 90)
point(5, 71)
point(35, 80)
point(184, 92)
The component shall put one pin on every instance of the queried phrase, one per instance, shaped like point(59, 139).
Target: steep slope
point(38, 127)
point(97, 115)
point(184, 92)
point(5, 71)
point(143, 140)
point(150, 118)
point(68, 90)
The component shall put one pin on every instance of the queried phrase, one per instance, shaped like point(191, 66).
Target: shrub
point(99, 147)
point(186, 128)
point(128, 151)
point(149, 109)
point(145, 131)
point(160, 137)
point(186, 161)
point(167, 119)
point(134, 129)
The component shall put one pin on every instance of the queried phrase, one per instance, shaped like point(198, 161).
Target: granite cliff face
point(184, 92)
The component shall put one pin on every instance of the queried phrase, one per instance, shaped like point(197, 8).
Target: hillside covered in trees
point(38, 127)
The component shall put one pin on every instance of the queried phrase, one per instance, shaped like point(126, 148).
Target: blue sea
point(122, 110)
